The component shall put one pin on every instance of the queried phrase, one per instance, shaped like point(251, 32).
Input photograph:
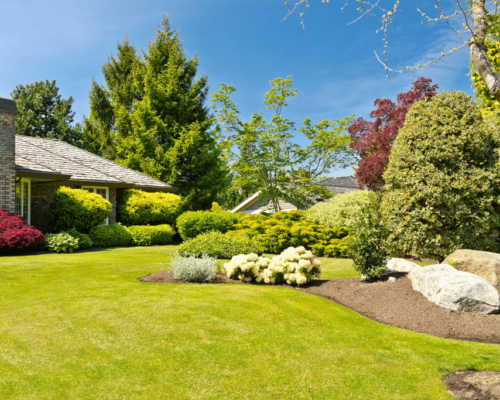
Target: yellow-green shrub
point(110, 235)
point(148, 208)
point(148, 235)
point(193, 223)
point(76, 208)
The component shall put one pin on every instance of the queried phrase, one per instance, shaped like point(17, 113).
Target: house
point(255, 204)
point(31, 169)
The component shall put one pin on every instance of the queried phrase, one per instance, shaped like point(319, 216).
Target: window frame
point(107, 195)
point(21, 181)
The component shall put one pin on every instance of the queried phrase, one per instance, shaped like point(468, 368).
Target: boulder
point(461, 291)
point(401, 265)
point(480, 263)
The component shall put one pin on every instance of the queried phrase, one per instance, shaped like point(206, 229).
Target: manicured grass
point(79, 326)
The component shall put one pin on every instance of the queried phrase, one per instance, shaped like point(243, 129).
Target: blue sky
point(239, 42)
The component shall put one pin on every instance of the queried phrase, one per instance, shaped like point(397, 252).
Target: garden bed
point(395, 304)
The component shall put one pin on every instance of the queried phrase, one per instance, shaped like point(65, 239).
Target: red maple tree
point(372, 140)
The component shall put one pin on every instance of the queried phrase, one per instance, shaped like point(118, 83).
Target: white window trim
point(107, 195)
point(28, 180)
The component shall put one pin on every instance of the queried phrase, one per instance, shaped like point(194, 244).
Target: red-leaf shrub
point(372, 140)
point(15, 233)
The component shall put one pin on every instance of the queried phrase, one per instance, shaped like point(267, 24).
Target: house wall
point(8, 115)
point(265, 205)
point(43, 192)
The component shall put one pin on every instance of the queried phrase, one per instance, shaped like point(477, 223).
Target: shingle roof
point(341, 184)
point(58, 157)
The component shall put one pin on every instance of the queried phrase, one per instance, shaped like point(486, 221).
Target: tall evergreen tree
point(151, 116)
point(43, 113)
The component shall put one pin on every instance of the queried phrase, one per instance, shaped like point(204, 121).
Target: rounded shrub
point(442, 182)
point(76, 208)
point(16, 234)
point(220, 245)
point(148, 235)
point(192, 223)
point(148, 208)
point(110, 235)
point(194, 269)
point(342, 209)
point(84, 241)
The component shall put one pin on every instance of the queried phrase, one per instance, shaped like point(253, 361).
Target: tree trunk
point(479, 51)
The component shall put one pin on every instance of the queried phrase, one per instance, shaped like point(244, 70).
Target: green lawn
point(79, 326)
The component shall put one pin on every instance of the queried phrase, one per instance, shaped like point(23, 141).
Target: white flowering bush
point(193, 268)
point(62, 243)
point(295, 266)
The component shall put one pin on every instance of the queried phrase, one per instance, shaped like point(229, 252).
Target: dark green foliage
point(110, 235)
point(42, 113)
point(84, 241)
point(192, 223)
point(442, 182)
point(150, 235)
point(217, 244)
point(151, 116)
point(148, 208)
point(367, 247)
point(76, 208)
point(279, 231)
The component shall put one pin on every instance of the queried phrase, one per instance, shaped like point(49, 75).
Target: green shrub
point(76, 208)
point(217, 244)
point(110, 235)
point(442, 181)
point(342, 209)
point(84, 241)
point(194, 269)
point(192, 223)
point(367, 247)
point(148, 235)
point(149, 208)
point(279, 231)
point(61, 243)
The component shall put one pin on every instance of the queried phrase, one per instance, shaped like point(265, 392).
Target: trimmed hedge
point(15, 233)
point(193, 223)
point(220, 245)
point(76, 208)
point(110, 235)
point(148, 235)
point(279, 231)
point(144, 208)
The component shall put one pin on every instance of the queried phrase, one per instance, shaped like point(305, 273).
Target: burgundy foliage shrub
point(372, 140)
point(15, 233)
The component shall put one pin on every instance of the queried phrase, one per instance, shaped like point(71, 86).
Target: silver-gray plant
point(194, 268)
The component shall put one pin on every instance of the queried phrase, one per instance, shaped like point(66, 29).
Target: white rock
point(481, 263)
point(391, 279)
point(401, 265)
point(461, 291)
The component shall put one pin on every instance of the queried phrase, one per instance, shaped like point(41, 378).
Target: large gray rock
point(401, 265)
point(461, 291)
point(480, 263)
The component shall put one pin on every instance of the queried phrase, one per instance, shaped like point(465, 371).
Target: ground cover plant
point(62, 243)
point(217, 244)
point(202, 268)
point(82, 326)
point(16, 234)
point(279, 231)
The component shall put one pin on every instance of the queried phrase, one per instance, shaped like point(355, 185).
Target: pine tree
point(43, 113)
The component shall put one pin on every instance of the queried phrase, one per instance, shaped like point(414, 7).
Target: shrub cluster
point(84, 241)
point(149, 235)
point(193, 223)
point(15, 233)
point(110, 235)
point(295, 266)
point(61, 242)
point(279, 231)
point(149, 208)
point(194, 269)
point(76, 208)
point(342, 209)
point(217, 244)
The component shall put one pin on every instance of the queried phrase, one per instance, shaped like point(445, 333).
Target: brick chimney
point(8, 115)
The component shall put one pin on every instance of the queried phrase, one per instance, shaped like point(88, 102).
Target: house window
point(101, 191)
point(23, 199)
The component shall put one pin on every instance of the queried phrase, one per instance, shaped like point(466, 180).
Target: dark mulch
point(474, 385)
point(395, 304)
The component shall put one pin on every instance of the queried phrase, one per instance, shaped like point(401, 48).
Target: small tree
point(372, 140)
point(43, 113)
point(442, 186)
